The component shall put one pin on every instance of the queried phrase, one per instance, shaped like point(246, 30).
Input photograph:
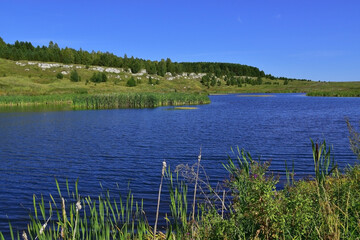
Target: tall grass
point(336, 93)
point(137, 100)
point(108, 101)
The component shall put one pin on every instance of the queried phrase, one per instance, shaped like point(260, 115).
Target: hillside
point(39, 78)
point(48, 74)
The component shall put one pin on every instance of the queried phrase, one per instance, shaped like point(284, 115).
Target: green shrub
point(98, 77)
point(74, 76)
point(59, 76)
point(131, 82)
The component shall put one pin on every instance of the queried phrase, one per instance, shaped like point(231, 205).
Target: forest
point(53, 53)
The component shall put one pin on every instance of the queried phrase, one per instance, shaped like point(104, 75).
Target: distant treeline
point(52, 53)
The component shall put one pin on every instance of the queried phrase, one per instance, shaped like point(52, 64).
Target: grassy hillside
point(29, 78)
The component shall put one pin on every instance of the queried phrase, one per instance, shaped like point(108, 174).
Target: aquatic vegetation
point(108, 101)
point(137, 100)
point(334, 93)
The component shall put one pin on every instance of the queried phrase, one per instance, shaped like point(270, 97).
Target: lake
point(123, 149)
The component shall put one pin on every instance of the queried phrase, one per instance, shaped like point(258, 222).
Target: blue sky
point(317, 40)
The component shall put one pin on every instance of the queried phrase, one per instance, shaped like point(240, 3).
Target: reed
point(137, 100)
point(107, 101)
point(347, 93)
point(158, 203)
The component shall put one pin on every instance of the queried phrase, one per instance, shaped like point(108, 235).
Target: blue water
point(124, 149)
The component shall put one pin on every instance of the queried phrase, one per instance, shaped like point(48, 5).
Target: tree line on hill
point(53, 53)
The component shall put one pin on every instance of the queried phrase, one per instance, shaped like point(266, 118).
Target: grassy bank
point(346, 93)
point(32, 82)
point(138, 100)
point(247, 206)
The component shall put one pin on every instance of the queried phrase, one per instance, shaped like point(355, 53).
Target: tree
point(259, 81)
point(205, 80)
point(213, 81)
point(2, 43)
point(162, 68)
point(67, 55)
point(136, 66)
point(74, 76)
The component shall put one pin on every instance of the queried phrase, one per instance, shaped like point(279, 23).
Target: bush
point(74, 76)
point(98, 77)
point(131, 82)
point(59, 76)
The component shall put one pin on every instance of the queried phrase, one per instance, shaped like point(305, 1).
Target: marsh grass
point(138, 100)
point(335, 93)
point(107, 101)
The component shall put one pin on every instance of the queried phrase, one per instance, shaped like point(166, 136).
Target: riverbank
point(106, 101)
point(28, 83)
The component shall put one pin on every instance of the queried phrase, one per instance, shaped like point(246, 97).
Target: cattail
point(78, 208)
point(24, 236)
point(223, 205)
point(42, 229)
point(158, 204)
point(196, 180)
point(63, 229)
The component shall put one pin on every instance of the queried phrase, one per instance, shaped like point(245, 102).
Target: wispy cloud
point(239, 20)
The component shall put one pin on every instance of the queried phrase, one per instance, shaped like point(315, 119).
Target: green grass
point(30, 80)
point(326, 207)
point(107, 101)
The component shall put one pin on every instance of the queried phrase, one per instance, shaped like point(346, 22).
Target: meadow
point(26, 84)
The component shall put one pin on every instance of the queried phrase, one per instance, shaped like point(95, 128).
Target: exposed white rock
point(67, 66)
point(112, 70)
point(168, 74)
point(192, 75)
point(143, 71)
point(26, 69)
point(138, 74)
point(32, 63)
point(21, 64)
point(78, 67)
point(48, 65)
point(64, 72)
point(99, 69)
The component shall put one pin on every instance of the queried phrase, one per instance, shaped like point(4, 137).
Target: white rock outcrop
point(112, 70)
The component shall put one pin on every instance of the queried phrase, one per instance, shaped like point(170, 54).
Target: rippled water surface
point(124, 149)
